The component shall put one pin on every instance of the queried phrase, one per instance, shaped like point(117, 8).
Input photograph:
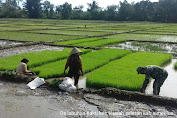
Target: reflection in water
point(146, 46)
point(4, 43)
point(169, 88)
point(82, 81)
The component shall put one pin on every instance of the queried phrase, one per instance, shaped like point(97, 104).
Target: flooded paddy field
point(146, 46)
point(169, 88)
point(4, 43)
point(26, 49)
point(19, 101)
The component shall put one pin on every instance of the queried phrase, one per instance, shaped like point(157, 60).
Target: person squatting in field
point(157, 73)
point(22, 68)
point(75, 65)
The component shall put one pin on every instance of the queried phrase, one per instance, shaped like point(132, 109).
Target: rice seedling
point(122, 73)
point(150, 47)
point(35, 58)
point(90, 61)
point(73, 42)
point(19, 36)
point(100, 43)
point(68, 32)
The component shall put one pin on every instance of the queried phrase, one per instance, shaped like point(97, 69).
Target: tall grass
point(122, 73)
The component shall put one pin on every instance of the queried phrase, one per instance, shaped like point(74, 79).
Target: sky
point(101, 3)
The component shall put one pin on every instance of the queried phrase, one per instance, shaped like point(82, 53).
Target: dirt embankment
point(19, 101)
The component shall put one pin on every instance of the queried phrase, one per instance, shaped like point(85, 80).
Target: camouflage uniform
point(157, 73)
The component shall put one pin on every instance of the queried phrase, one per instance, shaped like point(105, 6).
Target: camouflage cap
point(139, 69)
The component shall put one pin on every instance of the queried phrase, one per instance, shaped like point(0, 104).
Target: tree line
point(161, 11)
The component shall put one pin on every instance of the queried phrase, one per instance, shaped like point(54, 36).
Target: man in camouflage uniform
point(157, 73)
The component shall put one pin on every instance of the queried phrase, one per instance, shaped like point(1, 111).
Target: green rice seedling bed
point(7, 28)
point(96, 29)
point(36, 58)
point(19, 36)
point(73, 42)
point(100, 43)
point(90, 62)
point(156, 32)
point(68, 32)
point(122, 73)
point(144, 37)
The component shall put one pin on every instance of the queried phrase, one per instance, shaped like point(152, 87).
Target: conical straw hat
point(75, 50)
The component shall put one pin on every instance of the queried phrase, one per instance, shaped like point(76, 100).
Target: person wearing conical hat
point(157, 73)
point(75, 65)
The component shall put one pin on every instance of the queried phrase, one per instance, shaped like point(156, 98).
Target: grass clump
point(122, 73)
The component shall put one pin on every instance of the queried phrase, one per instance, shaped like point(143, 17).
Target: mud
point(25, 49)
point(18, 101)
point(4, 43)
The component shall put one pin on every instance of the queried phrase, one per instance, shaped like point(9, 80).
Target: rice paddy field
point(106, 67)
point(122, 73)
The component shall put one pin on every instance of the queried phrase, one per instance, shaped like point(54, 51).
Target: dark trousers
point(76, 77)
point(159, 82)
point(157, 85)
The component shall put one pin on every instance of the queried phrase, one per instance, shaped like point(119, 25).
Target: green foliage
point(91, 42)
point(70, 32)
point(73, 42)
point(33, 7)
point(100, 43)
point(122, 73)
point(55, 83)
point(90, 61)
point(8, 73)
point(35, 58)
point(20, 36)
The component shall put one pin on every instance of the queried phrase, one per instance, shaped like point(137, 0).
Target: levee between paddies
point(122, 73)
point(90, 62)
point(36, 58)
point(91, 42)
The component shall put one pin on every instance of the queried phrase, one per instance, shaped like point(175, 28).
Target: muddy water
point(4, 43)
point(169, 88)
point(146, 46)
point(18, 101)
point(26, 49)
